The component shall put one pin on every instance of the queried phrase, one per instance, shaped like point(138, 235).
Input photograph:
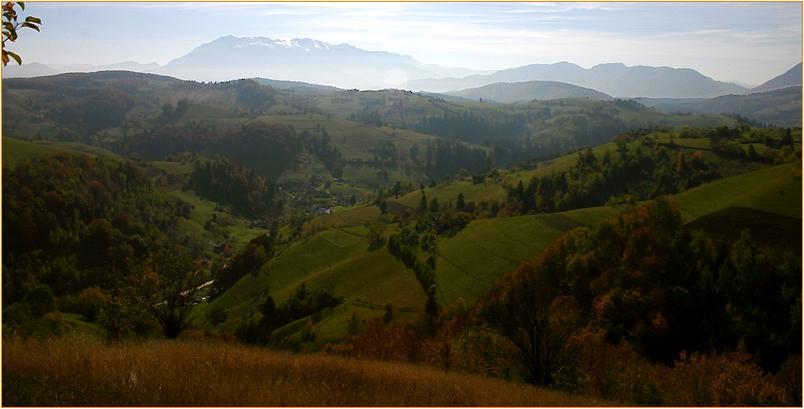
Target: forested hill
point(388, 133)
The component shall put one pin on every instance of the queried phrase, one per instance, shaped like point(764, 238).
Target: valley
point(543, 235)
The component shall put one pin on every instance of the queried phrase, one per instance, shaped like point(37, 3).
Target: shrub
point(122, 320)
point(52, 324)
point(40, 298)
point(741, 382)
point(217, 315)
point(88, 303)
point(388, 342)
point(789, 379)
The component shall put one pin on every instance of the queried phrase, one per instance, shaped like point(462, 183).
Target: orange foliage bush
point(386, 342)
point(618, 373)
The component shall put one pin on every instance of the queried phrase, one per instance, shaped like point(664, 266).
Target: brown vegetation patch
point(163, 373)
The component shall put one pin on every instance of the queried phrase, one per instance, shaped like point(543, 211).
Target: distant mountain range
point(616, 79)
point(510, 92)
point(346, 66)
point(789, 79)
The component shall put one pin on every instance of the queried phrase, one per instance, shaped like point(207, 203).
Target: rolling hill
point(380, 136)
point(510, 92)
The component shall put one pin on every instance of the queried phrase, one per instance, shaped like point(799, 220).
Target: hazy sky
point(745, 42)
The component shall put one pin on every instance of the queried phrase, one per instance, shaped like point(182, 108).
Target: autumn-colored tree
point(166, 288)
point(530, 312)
point(11, 24)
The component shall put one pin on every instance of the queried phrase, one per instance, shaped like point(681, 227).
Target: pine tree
point(434, 205)
point(423, 204)
point(268, 309)
point(460, 204)
point(431, 307)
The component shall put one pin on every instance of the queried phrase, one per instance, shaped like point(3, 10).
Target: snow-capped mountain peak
point(305, 44)
point(298, 59)
point(309, 44)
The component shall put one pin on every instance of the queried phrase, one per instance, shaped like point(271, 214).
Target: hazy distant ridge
point(510, 92)
point(790, 78)
point(781, 107)
point(614, 79)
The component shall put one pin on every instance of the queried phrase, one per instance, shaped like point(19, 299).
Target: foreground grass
point(162, 373)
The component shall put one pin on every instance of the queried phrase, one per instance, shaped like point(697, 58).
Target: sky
point(748, 43)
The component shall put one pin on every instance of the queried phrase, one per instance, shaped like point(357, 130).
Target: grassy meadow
point(190, 373)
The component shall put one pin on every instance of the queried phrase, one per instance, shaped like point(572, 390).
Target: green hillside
point(338, 259)
point(470, 262)
point(494, 184)
point(237, 230)
point(775, 189)
point(16, 151)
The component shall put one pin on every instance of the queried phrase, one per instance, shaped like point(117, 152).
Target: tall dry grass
point(190, 373)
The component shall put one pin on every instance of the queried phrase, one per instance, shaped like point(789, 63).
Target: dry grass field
point(161, 373)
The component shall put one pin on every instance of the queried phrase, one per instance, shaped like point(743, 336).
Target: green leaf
point(31, 19)
point(29, 25)
point(22, 5)
point(15, 57)
point(8, 26)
